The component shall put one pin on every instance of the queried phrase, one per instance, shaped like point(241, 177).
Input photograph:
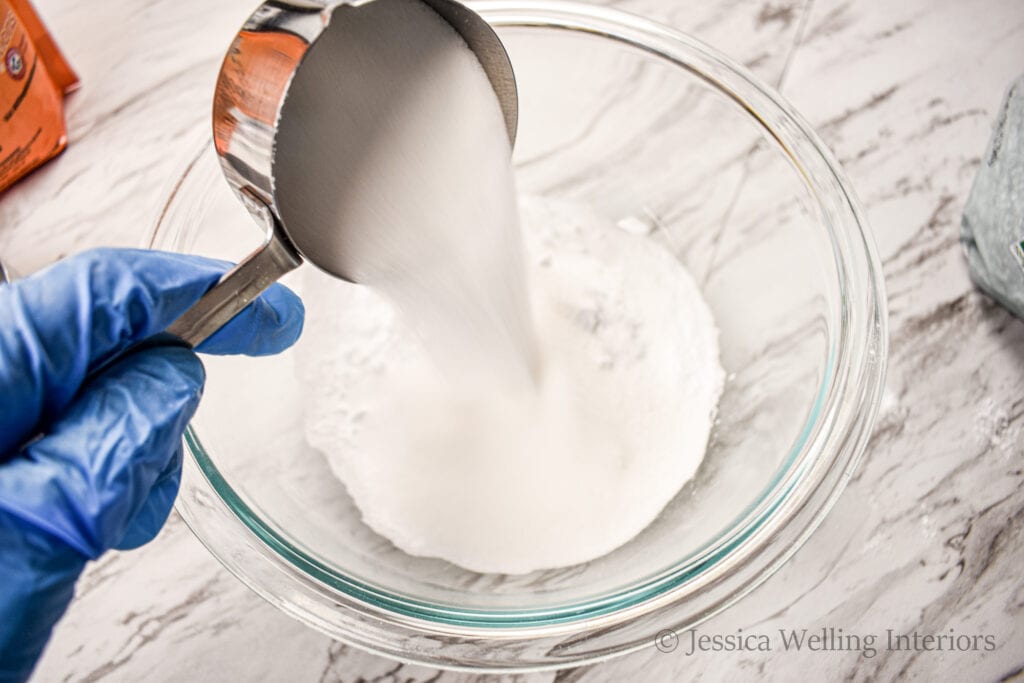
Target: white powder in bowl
point(511, 417)
point(511, 480)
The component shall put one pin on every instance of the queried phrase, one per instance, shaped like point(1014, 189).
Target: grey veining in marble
point(929, 536)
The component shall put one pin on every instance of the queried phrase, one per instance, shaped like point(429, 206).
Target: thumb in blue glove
point(106, 468)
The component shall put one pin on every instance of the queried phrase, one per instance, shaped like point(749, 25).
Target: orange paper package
point(34, 78)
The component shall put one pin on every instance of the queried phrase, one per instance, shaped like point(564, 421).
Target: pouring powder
point(513, 481)
point(502, 417)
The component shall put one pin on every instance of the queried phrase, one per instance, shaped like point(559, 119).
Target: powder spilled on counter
point(502, 416)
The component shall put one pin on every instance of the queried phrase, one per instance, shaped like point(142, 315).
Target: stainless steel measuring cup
point(254, 81)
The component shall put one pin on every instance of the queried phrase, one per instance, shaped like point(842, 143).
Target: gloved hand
point(105, 467)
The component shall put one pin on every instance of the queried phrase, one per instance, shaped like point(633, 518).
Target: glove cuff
point(39, 573)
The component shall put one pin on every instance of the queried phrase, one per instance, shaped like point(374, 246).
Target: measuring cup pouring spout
point(254, 81)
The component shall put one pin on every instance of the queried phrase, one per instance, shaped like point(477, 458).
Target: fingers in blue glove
point(153, 513)
point(107, 468)
point(94, 472)
point(104, 477)
point(72, 317)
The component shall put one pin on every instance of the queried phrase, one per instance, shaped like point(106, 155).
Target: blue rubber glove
point(105, 467)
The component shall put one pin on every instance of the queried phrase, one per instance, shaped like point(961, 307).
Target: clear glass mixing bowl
point(664, 135)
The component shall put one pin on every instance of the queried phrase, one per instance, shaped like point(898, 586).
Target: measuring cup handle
point(237, 289)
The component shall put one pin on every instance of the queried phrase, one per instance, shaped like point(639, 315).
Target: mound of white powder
point(500, 478)
point(506, 408)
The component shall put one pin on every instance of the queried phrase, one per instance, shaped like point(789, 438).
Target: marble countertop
point(928, 537)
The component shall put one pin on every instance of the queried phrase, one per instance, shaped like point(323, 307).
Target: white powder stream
point(500, 426)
